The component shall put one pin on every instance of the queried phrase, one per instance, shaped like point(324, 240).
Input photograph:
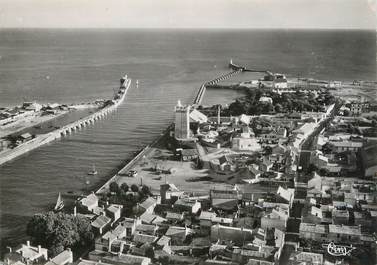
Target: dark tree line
point(286, 102)
point(58, 231)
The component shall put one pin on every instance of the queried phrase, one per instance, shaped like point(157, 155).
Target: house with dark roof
point(150, 218)
point(225, 204)
point(205, 219)
point(313, 231)
point(340, 217)
point(254, 173)
point(174, 217)
point(140, 238)
point(101, 224)
point(266, 255)
point(130, 225)
point(238, 235)
point(148, 205)
point(344, 233)
point(146, 229)
point(126, 259)
point(265, 165)
point(114, 211)
point(163, 241)
point(104, 243)
point(177, 234)
point(63, 258)
point(302, 257)
point(187, 205)
point(169, 192)
point(369, 160)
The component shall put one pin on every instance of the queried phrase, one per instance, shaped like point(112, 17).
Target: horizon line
point(198, 28)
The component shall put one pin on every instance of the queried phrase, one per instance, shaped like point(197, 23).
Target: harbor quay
point(284, 174)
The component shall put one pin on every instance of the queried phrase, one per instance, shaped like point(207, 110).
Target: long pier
point(81, 123)
point(199, 96)
point(43, 139)
point(236, 70)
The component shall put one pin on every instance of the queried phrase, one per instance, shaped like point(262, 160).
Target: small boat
point(59, 204)
point(93, 171)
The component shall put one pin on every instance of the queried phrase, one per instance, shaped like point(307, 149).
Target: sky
point(322, 14)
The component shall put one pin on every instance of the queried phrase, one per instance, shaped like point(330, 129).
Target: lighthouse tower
point(182, 121)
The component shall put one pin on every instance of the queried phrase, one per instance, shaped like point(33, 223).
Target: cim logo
point(338, 250)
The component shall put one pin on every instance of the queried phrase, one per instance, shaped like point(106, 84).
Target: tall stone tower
point(182, 121)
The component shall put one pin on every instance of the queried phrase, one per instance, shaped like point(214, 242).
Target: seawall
point(131, 163)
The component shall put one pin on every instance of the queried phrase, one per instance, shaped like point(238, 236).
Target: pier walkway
point(43, 139)
point(199, 96)
point(81, 123)
point(236, 70)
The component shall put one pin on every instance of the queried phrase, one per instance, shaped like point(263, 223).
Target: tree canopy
point(124, 187)
point(58, 231)
point(114, 187)
point(286, 102)
point(134, 188)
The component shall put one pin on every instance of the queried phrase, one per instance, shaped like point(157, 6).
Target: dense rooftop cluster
point(298, 187)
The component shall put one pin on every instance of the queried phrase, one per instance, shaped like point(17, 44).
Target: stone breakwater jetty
point(39, 140)
point(199, 96)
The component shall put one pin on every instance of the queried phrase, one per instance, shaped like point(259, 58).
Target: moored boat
point(93, 171)
point(59, 204)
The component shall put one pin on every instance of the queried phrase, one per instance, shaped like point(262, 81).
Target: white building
point(89, 202)
point(197, 116)
point(182, 121)
point(266, 100)
point(245, 144)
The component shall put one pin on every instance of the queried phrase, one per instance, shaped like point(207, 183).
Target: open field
point(365, 90)
point(183, 174)
point(158, 166)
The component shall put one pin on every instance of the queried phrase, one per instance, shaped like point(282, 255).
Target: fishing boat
point(59, 204)
point(93, 171)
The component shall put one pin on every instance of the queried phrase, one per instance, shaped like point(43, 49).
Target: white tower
point(182, 121)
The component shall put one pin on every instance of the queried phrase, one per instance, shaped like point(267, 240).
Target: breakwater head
point(237, 67)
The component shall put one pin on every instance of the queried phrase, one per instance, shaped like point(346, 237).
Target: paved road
point(310, 143)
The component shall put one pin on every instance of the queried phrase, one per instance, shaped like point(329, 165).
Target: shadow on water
point(14, 229)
